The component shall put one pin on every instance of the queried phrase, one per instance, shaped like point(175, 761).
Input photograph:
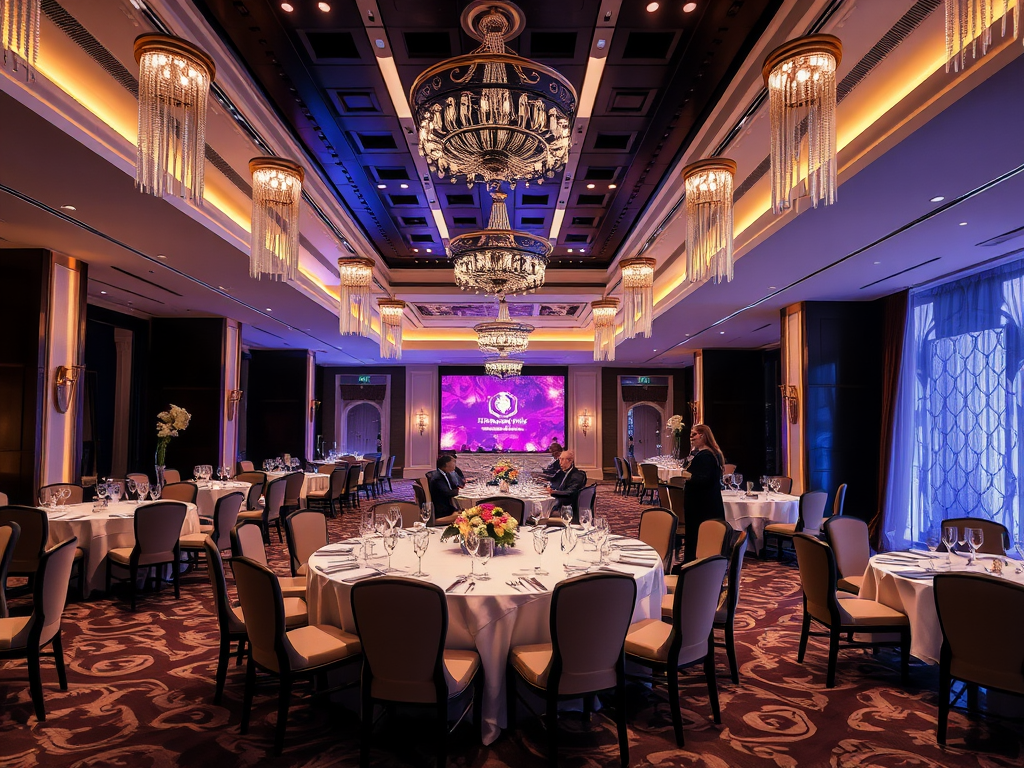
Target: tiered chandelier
point(174, 83)
point(637, 296)
point(492, 115)
point(392, 311)
point(499, 261)
point(709, 219)
point(604, 328)
point(968, 23)
point(801, 79)
point(503, 367)
point(354, 295)
point(503, 336)
point(276, 195)
point(19, 31)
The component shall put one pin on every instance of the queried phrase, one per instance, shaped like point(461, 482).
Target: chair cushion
point(459, 669)
point(318, 644)
point(851, 584)
point(14, 632)
point(861, 612)
point(649, 639)
point(318, 494)
point(302, 569)
point(123, 555)
point(666, 606)
point(293, 586)
point(193, 540)
point(254, 514)
point(296, 614)
point(670, 583)
point(533, 662)
point(206, 528)
point(781, 529)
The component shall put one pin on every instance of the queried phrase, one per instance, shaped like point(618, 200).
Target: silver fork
point(514, 585)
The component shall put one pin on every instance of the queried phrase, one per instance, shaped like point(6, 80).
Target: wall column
point(421, 397)
point(232, 350)
point(794, 368)
point(585, 395)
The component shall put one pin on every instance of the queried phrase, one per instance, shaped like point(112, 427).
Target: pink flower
point(487, 507)
point(487, 515)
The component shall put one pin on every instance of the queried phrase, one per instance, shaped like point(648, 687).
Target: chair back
point(263, 607)
point(324, 469)
point(3, 499)
point(982, 619)
point(157, 530)
point(293, 488)
point(225, 515)
point(305, 532)
point(370, 472)
point(77, 492)
point(352, 478)
point(812, 512)
point(419, 494)
point(424, 484)
point(663, 495)
point(185, 492)
point(839, 501)
point(698, 588)
point(618, 468)
point(714, 537)
point(391, 467)
point(35, 530)
point(138, 477)
point(586, 499)
point(590, 616)
point(509, 505)
point(9, 533)
point(649, 472)
point(394, 668)
point(675, 501)
point(348, 457)
point(337, 482)
point(245, 466)
point(818, 578)
point(50, 591)
point(172, 476)
point(247, 541)
point(410, 511)
point(678, 481)
point(257, 481)
point(627, 471)
point(658, 530)
point(731, 597)
point(997, 538)
point(848, 537)
point(728, 469)
point(274, 498)
point(785, 483)
point(226, 618)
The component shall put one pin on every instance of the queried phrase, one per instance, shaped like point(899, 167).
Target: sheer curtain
point(957, 428)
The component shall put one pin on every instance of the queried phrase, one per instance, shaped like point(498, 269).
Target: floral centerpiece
point(504, 471)
point(168, 424)
point(486, 520)
point(676, 426)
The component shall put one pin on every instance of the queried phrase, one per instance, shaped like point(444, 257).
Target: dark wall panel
point(327, 395)
point(277, 404)
point(735, 407)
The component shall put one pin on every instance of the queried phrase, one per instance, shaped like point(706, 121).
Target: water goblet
point(390, 542)
point(426, 512)
point(601, 533)
point(197, 472)
point(366, 531)
point(727, 480)
point(394, 517)
point(472, 544)
point(142, 486)
point(975, 539)
point(540, 543)
point(931, 540)
point(420, 542)
point(587, 519)
point(484, 551)
point(566, 513)
point(569, 539)
point(130, 485)
point(155, 490)
point(737, 481)
point(116, 488)
point(776, 483)
point(101, 493)
point(48, 498)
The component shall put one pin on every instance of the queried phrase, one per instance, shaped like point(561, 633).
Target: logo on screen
point(503, 405)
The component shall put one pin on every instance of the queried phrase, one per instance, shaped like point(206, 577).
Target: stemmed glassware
point(484, 551)
point(420, 542)
point(394, 518)
point(764, 483)
point(390, 542)
point(102, 491)
point(586, 519)
point(975, 539)
point(737, 481)
point(130, 485)
point(197, 472)
point(155, 490)
point(48, 498)
point(116, 489)
point(566, 513)
point(366, 531)
point(727, 480)
point(601, 533)
point(472, 546)
point(540, 543)
point(426, 512)
point(569, 539)
point(142, 487)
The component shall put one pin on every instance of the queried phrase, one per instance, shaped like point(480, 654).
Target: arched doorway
point(362, 425)
point(644, 423)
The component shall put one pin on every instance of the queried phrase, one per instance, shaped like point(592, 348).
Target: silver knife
point(539, 586)
point(456, 583)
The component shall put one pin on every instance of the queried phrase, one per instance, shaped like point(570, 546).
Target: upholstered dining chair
point(305, 532)
point(35, 533)
point(423, 672)
point(421, 498)
point(292, 492)
point(186, 492)
point(330, 497)
point(9, 533)
point(245, 466)
point(157, 530)
point(658, 530)
point(509, 504)
point(77, 492)
point(619, 479)
point(714, 537)
point(649, 484)
point(307, 651)
point(225, 516)
point(24, 637)
point(848, 537)
point(137, 477)
point(3, 499)
point(247, 541)
point(839, 502)
point(350, 496)
point(257, 484)
point(171, 476)
point(725, 615)
point(386, 476)
point(688, 639)
point(997, 538)
point(369, 483)
point(324, 469)
point(628, 478)
point(811, 513)
point(818, 579)
point(273, 501)
point(410, 511)
point(677, 504)
point(587, 499)
point(589, 619)
point(785, 483)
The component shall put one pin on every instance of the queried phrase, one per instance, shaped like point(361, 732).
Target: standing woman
point(702, 494)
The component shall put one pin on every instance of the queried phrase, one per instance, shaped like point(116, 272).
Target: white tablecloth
point(99, 532)
point(538, 503)
point(312, 481)
point(754, 514)
point(494, 616)
point(208, 495)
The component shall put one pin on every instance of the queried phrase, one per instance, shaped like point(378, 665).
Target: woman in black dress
point(702, 494)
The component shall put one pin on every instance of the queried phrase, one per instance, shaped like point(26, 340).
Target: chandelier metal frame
point(504, 335)
point(503, 367)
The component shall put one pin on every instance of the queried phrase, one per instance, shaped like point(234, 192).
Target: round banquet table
point(101, 530)
point(312, 481)
point(754, 513)
point(537, 500)
point(210, 492)
point(490, 619)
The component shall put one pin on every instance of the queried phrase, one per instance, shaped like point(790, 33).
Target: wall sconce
point(695, 411)
point(584, 419)
point(790, 400)
point(234, 396)
point(65, 383)
point(313, 405)
point(421, 421)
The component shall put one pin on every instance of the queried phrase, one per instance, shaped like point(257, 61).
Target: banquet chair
point(247, 541)
point(818, 578)
point(997, 538)
point(587, 499)
point(785, 483)
point(225, 515)
point(24, 637)
point(292, 492)
point(9, 533)
point(308, 651)
point(35, 532)
point(77, 492)
point(257, 482)
point(677, 504)
point(658, 530)
point(186, 492)
point(679, 481)
point(157, 528)
point(421, 498)
point(351, 492)
point(172, 476)
point(688, 639)
point(137, 476)
point(420, 673)
point(410, 511)
point(245, 466)
point(848, 537)
point(271, 511)
point(714, 537)
point(725, 615)
point(663, 496)
point(839, 501)
point(649, 481)
point(385, 477)
point(369, 483)
point(509, 504)
point(728, 469)
point(589, 619)
point(331, 495)
point(3, 499)
point(306, 532)
point(349, 457)
point(627, 478)
point(982, 619)
point(619, 480)
point(324, 469)
point(812, 510)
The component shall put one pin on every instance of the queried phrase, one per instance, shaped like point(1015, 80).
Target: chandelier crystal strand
point(19, 32)
point(604, 328)
point(709, 188)
point(354, 296)
point(801, 80)
point(637, 296)
point(970, 21)
point(504, 335)
point(174, 83)
point(392, 312)
point(276, 196)
point(503, 367)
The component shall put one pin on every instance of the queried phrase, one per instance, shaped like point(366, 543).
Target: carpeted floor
point(141, 689)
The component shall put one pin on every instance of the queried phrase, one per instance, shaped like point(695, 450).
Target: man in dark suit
point(553, 471)
point(567, 490)
point(457, 476)
point(442, 490)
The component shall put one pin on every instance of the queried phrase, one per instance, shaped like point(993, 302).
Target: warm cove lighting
point(19, 25)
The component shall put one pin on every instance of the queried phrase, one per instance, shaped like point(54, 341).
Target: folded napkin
point(354, 579)
point(638, 561)
point(335, 548)
point(914, 574)
point(335, 567)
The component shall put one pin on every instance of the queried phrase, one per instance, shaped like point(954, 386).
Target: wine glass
point(47, 498)
point(601, 533)
point(142, 486)
point(390, 542)
point(197, 472)
point(586, 519)
point(931, 540)
point(485, 551)
point(394, 517)
point(727, 480)
point(566, 513)
point(737, 481)
point(776, 483)
point(155, 490)
point(975, 539)
point(116, 488)
point(569, 539)
point(101, 493)
point(764, 482)
point(426, 512)
point(540, 543)
point(472, 546)
point(366, 530)
point(420, 542)
point(963, 543)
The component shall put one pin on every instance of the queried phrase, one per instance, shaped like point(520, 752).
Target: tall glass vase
point(160, 475)
point(677, 445)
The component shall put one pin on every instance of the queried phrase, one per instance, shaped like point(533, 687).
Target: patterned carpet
point(141, 689)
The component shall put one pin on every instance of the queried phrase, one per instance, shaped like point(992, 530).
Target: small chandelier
point(392, 311)
point(492, 115)
point(967, 22)
point(801, 80)
point(174, 83)
point(709, 219)
point(604, 328)
point(503, 367)
point(276, 194)
point(499, 261)
point(637, 296)
point(354, 295)
point(19, 31)
point(504, 335)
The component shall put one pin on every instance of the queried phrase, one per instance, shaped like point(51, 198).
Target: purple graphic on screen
point(522, 414)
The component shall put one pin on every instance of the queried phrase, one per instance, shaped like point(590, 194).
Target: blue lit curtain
point(957, 428)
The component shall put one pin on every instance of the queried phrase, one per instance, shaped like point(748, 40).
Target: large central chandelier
point(499, 261)
point(503, 367)
point(504, 335)
point(492, 115)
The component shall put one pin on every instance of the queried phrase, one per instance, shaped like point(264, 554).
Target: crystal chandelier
point(174, 82)
point(504, 335)
point(276, 193)
point(967, 22)
point(492, 115)
point(503, 367)
point(604, 328)
point(637, 296)
point(801, 80)
point(19, 31)
point(709, 219)
point(499, 261)
point(354, 295)
point(392, 311)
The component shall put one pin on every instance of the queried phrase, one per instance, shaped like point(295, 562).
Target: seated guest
point(553, 471)
point(457, 477)
point(442, 490)
point(567, 490)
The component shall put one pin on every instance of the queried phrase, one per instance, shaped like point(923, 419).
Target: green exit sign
point(643, 379)
point(364, 379)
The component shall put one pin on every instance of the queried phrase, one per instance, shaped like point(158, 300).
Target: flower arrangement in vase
point(504, 471)
point(486, 520)
point(168, 424)
point(676, 426)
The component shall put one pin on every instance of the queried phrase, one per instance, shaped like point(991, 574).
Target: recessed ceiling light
point(103, 292)
point(570, 250)
point(612, 186)
point(324, 7)
point(771, 287)
point(430, 250)
point(655, 349)
point(582, 251)
point(591, 186)
point(878, 262)
point(382, 186)
point(269, 309)
point(937, 199)
point(221, 287)
point(963, 223)
point(160, 256)
point(721, 333)
point(404, 186)
point(69, 208)
point(287, 7)
point(652, 7)
point(415, 250)
point(689, 8)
